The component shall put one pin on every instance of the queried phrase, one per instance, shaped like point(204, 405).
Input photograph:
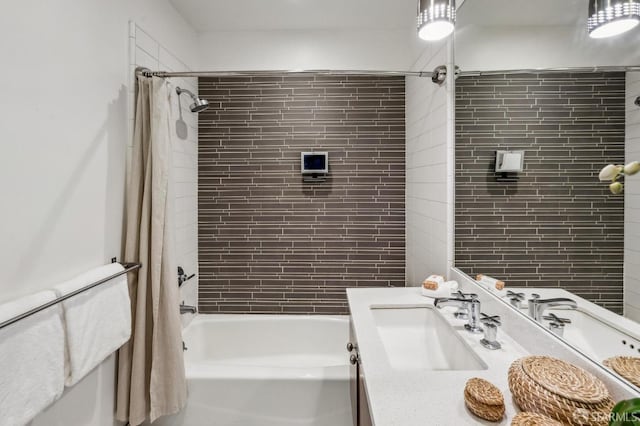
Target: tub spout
point(188, 309)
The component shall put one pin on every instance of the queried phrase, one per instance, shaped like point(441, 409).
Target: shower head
point(198, 104)
point(638, 101)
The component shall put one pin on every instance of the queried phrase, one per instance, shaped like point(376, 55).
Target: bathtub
point(266, 370)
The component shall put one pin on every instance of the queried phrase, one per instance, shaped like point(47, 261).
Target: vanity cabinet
point(359, 400)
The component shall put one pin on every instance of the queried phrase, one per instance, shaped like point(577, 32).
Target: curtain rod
point(148, 73)
point(551, 70)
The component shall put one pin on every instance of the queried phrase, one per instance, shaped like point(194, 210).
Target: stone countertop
point(422, 397)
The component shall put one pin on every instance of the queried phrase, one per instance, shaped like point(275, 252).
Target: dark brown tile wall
point(558, 226)
point(268, 242)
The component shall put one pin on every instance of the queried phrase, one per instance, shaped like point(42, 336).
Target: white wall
point(632, 202)
point(63, 127)
point(147, 51)
point(430, 166)
point(482, 48)
point(316, 49)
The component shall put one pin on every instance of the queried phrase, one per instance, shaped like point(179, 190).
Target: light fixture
point(436, 19)
point(608, 18)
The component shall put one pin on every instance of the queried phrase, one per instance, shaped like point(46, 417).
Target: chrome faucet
point(463, 310)
point(473, 305)
point(187, 309)
point(538, 306)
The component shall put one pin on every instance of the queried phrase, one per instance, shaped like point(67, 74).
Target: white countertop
point(422, 397)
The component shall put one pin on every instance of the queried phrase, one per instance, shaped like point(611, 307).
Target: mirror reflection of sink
point(422, 339)
point(593, 336)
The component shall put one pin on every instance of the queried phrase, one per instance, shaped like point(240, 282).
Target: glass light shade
point(436, 19)
point(608, 18)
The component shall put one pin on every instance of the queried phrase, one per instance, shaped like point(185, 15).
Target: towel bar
point(128, 267)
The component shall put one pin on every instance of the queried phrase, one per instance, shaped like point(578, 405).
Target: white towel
point(97, 322)
point(442, 291)
point(453, 285)
point(31, 359)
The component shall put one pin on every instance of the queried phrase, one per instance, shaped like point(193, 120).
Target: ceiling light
point(436, 19)
point(608, 18)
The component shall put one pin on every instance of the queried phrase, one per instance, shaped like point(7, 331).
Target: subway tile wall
point(270, 243)
point(558, 226)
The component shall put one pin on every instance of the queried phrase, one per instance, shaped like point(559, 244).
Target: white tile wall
point(632, 202)
point(429, 168)
point(148, 52)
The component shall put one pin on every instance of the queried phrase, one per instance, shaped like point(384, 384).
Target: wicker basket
point(560, 391)
point(484, 399)
point(626, 366)
point(533, 419)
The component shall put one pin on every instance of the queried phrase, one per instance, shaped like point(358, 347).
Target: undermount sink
point(420, 338)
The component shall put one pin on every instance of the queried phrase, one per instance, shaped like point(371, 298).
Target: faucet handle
point(556, 324)
point(490, 331)
point(462, 295)
point(463, 310)
point(556, 319)
point(515, 298)
point(490, 320)
point(534, 296)
point(514, 295)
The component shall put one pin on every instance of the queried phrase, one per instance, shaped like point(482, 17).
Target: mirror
point(541, 108)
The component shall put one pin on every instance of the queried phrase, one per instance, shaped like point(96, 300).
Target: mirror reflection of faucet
point(556, 324)
point(538, 306)
point(515, 299)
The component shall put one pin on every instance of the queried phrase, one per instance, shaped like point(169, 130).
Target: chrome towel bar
point(128, 267)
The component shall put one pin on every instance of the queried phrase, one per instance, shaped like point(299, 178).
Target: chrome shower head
point(198, 104)
point(637, 102)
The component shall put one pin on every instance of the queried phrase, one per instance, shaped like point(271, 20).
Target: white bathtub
point(266, 370)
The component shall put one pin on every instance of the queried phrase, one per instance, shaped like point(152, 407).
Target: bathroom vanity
point(414, 359)
point(411, 360)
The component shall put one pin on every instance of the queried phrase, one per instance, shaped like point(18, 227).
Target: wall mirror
point(558, 104)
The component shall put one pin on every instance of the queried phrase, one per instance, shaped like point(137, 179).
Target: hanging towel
point(31, 359)
point(96, 322)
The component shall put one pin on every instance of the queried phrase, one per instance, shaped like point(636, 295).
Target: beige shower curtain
point(151, 379)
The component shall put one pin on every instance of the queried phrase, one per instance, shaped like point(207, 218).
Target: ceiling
point(523, 12)
point(268, 15)
point(242, 15)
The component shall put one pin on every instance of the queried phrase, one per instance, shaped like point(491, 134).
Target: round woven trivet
point(564, 379)
point(626, 366)
point(533, 419)
point(533, 397)
point(484, 399)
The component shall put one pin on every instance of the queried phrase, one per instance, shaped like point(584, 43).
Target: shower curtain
point(151, 378)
